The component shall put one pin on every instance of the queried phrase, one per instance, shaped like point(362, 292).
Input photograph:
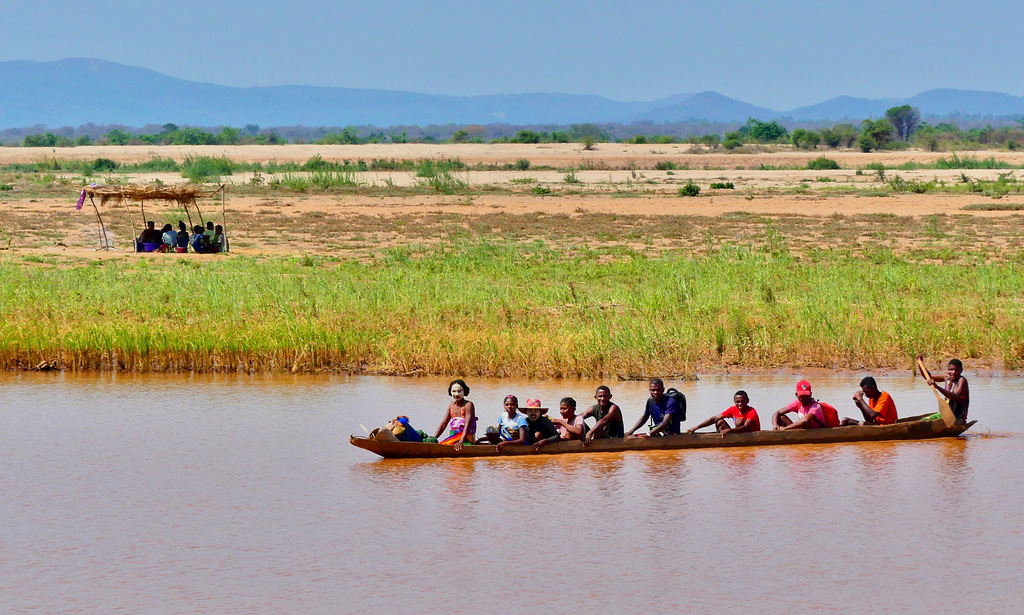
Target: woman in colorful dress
point(459, 424)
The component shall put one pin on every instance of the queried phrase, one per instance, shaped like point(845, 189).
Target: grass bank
point(505, 310)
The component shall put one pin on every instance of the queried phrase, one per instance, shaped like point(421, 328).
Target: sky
point(781, 54)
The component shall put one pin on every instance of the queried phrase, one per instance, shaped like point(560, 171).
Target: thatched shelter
point(183, 195)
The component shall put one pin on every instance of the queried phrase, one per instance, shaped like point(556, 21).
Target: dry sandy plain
point(619, 198)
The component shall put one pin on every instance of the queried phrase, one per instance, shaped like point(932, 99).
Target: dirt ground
point(617, 197)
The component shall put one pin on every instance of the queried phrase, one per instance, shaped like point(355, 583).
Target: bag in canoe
point(831, 415)
point(680, 402)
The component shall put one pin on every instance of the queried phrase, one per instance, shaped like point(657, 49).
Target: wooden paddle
point(947, 413)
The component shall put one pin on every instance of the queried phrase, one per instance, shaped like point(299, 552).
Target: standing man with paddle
point(955, 390)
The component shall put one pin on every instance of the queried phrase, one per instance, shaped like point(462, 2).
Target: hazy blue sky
point(777, 54)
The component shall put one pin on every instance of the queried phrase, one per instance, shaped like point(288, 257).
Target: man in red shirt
point(878, 408)
point(743, 416)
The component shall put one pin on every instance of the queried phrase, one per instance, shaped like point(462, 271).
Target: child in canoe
point(509, 423)
point(570, 425)
point(538, 430)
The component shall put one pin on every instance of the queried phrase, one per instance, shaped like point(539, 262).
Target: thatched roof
point(179, 193)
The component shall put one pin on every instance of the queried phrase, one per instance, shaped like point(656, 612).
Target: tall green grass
point(481, 308)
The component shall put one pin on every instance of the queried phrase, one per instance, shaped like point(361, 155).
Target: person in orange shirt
point(878, 408)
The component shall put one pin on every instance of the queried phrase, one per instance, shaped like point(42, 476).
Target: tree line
point(901, 127)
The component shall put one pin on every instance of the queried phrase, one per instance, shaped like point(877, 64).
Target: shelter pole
point(202, 222)
point(142, 205)
point(135, 235)
point(187, 213)
point(103, 228)
point(224, 217)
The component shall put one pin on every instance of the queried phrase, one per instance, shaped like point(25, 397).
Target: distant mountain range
point(79, 91)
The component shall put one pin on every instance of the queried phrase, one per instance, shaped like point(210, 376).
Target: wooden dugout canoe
point(906, 429)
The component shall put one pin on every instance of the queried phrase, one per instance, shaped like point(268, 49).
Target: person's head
point(458, 389)
point(218, 229)
point(209, 225)
point(166, 228)
point(533, 409)
point(197, 229)
point(869, 387)
point(182, 227)
point(741, 400)
point(603, 396)
point(656, 388)
point(803, 391)
point(567, 407)
point(511, 404)
point(151, 225)
point(955, 368)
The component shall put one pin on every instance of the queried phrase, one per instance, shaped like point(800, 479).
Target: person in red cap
point(812, 415)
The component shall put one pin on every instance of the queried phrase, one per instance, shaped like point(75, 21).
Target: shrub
point(104, 165)
point(665, 165)
point(522, 164)
point(541, 190)
point(731, 143)
point(722, 186)
point(866, 143)
point(822, 163)
point(199, 168)
point(689, 189)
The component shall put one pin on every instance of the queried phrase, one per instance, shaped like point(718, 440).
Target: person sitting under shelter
point(181, 243)
point(878, 409)
point(168, 238)
point(199, 243)
point(150, 235)
point(220, 241)
point(661, 409)
point(743, 417)
point(812, 415)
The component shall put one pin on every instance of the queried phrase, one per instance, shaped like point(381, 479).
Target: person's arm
point(444, 422)
point(576, 430)
point(742, 425)
point(522, 440)
point(542, 443)
point(955, 393)
point(663, 425)
point(800, 422)
point(781, 412)
point(870, 416)
point(470, 414)
point(640, 423)
point(707, 423)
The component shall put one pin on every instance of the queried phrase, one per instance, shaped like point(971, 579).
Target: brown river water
point(236, 494)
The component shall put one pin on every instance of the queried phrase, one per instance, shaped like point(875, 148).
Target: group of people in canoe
point(529, 425)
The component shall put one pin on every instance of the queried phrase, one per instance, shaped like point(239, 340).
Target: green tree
point(118, 137)
point(880, 131)
point(229, 136)
point(805, 139)
point(525, 136)
point(765, 132)
point(904, 120)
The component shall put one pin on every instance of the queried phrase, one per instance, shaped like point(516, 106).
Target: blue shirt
point(659, 410)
